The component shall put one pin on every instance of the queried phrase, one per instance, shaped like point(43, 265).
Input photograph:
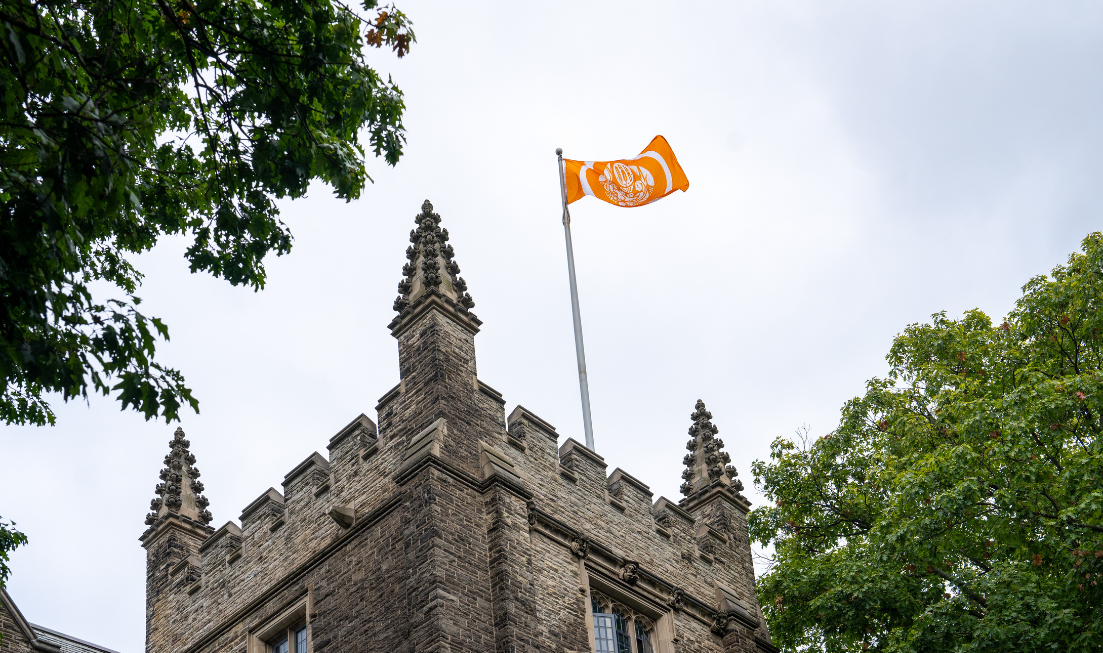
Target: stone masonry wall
point(464, 533)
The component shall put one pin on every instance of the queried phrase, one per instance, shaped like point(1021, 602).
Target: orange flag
point(654, 174)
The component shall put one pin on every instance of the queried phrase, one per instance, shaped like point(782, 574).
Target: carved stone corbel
point(580, 546)
point(677, 599)
point(722, 621)
point(630, 572)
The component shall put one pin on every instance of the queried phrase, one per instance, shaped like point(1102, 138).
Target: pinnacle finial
point(430, 266)
point(706, 462)
point(180, 492)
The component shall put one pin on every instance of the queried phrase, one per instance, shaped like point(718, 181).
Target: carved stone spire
point(430, 268)
point(707, 462)
point(180, 491)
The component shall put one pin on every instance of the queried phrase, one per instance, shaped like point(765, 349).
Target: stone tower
point(178, 526)
point(450, 527)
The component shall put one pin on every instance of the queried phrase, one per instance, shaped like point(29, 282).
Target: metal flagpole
point(579, 349)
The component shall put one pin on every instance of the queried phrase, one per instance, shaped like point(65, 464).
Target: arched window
point(643, 638)
point(624, 639)
point(619, 629)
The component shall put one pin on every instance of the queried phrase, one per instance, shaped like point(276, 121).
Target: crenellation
point(266, 507)
point(588, 469)
point(668, 507)
point(307, 481)
point(631, 492)
point(535, 440)
point(226, 537)
point(490, 392)
point(352, 437)
point(452, 528)
point(522, 425)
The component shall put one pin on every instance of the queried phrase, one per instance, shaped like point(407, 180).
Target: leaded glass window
point(643, 639)
point(624, 642)
point(300, 640)
point(280, 646)
point(620, 629)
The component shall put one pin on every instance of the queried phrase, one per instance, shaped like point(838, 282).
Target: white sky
point(854, 167)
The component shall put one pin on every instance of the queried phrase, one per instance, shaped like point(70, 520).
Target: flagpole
point(580, 350)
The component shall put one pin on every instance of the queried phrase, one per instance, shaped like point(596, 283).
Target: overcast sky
point(854, 167)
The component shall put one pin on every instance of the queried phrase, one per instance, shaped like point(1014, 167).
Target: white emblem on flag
point(627, 185)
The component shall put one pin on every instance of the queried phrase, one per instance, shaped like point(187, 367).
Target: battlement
point(682, 553)
point(451, 526)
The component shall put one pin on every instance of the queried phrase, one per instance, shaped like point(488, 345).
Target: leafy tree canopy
point(958, 506)
point(125, 120)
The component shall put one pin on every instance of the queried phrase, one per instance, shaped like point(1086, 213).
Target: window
point(286, 632)
point(300, 640)
point(618, 629)
point(298, 636)
point(603, 628)
point(643, 639)
point(624, 641)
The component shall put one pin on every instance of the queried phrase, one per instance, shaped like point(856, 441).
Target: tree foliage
point(958, 506)
point(125, 120)
point(10, 539)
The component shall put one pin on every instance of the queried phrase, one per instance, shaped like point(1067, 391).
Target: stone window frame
point(285, 624)
point(633, 617)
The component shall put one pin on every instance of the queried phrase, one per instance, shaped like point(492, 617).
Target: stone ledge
point(313, 460)
point(229, 528)
point(664, 504)
point(493, 463)
point(359, 425)
point(520, 412)
point(175, 520)
point(190, 561)
point(713, 491)
point(491, 392)
point(706, 530)
point(269, 495)
point(423, 445)
point(388, 397)
point(621, 476)
point(572, 447)
point(432, 300)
